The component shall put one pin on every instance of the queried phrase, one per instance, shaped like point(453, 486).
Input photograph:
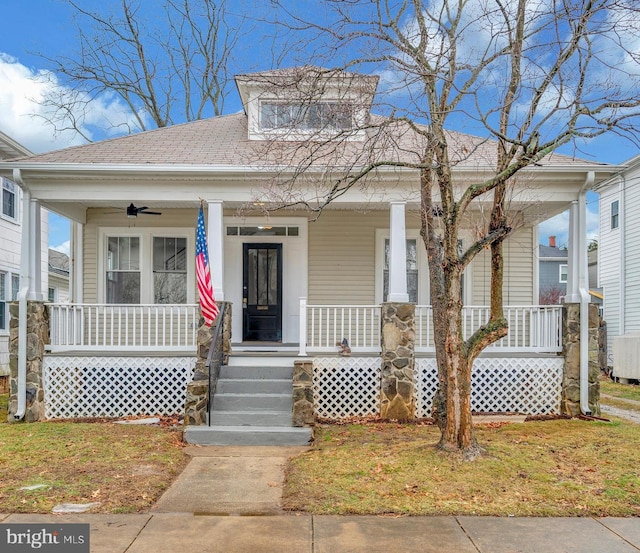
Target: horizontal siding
point(342, 257)
point(631, 257)
point(518, 271)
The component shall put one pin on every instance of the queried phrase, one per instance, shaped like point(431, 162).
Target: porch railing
point(324, 326)
point(532, 328)
point(125, 327)
point(536, 328)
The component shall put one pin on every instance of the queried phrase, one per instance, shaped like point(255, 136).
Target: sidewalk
point(227, 501)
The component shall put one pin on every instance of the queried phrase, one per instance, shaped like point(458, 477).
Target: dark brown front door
point(262, 293)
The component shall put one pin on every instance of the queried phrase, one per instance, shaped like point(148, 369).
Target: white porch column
point(35, 253)
point(76, 280)
point(397, 254)
point(573, 270)
point(215, 232)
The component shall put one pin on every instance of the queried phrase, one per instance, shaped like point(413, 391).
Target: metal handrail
point(215, 357)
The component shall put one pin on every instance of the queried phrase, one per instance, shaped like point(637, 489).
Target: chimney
point(552, 241)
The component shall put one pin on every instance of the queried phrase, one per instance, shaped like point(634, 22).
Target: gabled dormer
point(306, 102)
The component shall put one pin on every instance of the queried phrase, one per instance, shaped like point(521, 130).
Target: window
point(146, 266)
point(123, 269)
point(169, 270)
point(563, 273)
point(9, 200)
point(412, 270)
point(322, 115)
point(51, 297)
point(9, 287)
point(615, 214)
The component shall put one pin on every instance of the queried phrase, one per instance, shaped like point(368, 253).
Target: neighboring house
point(58, 289)
point(296, 286)
point(619, 266)
point(553, 272)
point(11, 230)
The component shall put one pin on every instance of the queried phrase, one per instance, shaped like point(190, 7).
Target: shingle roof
point(223, 141)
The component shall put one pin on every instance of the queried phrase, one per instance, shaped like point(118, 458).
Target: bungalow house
point(298, 285)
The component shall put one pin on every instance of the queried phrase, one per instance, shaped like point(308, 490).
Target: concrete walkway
point(227, 500)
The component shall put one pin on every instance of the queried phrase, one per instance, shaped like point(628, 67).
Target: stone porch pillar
point(398, 361)
point(571, 347)
point(37, 337)
point(197, 399)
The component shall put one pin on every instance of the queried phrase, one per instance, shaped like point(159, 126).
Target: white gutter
point(25, 283)
point(583, 289)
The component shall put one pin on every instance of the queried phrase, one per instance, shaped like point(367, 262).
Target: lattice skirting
point(346, 387)
point(530, 386)
point(77, 387)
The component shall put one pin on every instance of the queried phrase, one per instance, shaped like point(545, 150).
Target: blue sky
point(45, 26)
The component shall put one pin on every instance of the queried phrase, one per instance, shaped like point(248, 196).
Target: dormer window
point(306, 117)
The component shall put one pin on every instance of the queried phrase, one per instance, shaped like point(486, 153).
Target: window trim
point(16, 195)
point(146, 236)
point(614, 214)
point(564, 266)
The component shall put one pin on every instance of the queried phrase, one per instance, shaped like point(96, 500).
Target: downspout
point(583, 289)
point(25, 283)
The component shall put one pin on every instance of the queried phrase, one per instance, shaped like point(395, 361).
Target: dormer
point(306, 102)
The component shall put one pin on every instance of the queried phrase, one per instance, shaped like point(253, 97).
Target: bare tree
point(527, 75)
point(166, 66)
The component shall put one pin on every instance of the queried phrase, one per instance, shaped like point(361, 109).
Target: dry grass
point(622, 391)
point(125, 468)
point(553, 468)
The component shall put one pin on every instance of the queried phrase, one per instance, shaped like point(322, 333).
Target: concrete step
point(253, 386)
point(261, 360)
point(242, 435)
point(256, 372)
point(250, 418)
point(252, 402)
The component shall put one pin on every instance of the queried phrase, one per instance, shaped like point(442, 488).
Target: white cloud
point(558, 226)
point(65, 247)
point(23, 117)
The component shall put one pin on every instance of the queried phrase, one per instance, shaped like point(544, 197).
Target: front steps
point(252, 406)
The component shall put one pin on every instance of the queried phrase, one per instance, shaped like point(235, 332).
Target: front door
point(262, 293)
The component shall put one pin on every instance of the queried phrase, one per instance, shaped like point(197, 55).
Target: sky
point(45, 26)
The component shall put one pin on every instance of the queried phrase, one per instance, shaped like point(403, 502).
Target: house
point(297, 286)
point(619, 268)
point(11, 230)
point(58, 288)
point(553, 271)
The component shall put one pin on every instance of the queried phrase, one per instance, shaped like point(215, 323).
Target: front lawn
point(552, 468)
point(124, 468)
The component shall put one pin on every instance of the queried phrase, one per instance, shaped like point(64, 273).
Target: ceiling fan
point(132, 211)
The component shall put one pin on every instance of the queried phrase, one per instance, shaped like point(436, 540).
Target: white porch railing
point(326, 325)
point(123, 327)
point(532, 328)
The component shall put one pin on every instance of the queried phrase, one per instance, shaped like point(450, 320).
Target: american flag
point(203, 274)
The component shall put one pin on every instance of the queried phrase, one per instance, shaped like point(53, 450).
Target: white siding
point(609, 269)
point(631, 254)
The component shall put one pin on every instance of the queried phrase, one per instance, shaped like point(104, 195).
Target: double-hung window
point(4, 306)
point(615, 214)
point(148, 268)
point(9, 200)
point(123, 269)
point(169, 270)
